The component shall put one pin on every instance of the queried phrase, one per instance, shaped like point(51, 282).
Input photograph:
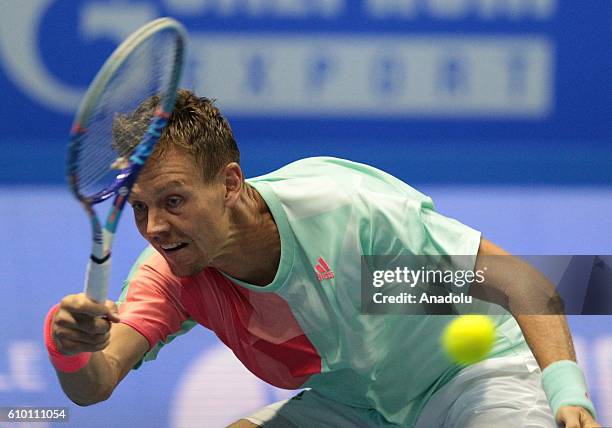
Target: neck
point(252, 251)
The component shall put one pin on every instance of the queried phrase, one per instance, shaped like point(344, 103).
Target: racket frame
point(98, 268)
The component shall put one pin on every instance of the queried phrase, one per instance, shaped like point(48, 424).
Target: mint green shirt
point(339, 210)
point(306, 329)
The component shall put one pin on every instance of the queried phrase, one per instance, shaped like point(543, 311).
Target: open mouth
point(173, 247)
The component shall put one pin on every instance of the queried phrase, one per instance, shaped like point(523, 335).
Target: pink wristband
point(63, 363)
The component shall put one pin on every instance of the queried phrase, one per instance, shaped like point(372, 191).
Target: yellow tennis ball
point(468, 338)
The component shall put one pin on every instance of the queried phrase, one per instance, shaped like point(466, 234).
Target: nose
point(157, 224)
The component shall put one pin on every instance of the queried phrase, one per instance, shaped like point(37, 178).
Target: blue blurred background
point(498, 109)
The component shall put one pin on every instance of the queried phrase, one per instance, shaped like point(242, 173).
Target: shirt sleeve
point(447, 236)
point(402, 225)
point(150, 302)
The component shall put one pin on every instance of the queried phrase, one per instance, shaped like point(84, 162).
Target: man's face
point(183, 217)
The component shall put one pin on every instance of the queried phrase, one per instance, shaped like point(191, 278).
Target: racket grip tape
point(97, 276)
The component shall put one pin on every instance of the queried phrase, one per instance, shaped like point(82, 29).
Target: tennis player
point(272, 265)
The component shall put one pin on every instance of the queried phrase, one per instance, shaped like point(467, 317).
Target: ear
point(233, 180)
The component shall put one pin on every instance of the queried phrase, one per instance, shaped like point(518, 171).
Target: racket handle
point(97, 276)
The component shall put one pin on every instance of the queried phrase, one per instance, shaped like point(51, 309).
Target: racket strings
point(124, 111)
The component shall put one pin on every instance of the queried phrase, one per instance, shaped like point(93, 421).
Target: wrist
point(564, 384)
point(61, 362)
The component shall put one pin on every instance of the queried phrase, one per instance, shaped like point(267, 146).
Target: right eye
point(139, 207)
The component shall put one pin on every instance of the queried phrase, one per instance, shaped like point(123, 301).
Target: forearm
point(558, 343)
point(90, 348)
point(566, 389)
point(538, 309)
point(93, 383)
point(534, 302)
point(539, 313)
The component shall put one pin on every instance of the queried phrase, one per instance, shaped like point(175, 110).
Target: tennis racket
point(102, 164)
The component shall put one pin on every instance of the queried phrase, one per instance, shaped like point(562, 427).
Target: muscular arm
point(536, 306)
point(531, 299)
point(83, 325)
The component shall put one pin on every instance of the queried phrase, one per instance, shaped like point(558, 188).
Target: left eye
point(174, 202)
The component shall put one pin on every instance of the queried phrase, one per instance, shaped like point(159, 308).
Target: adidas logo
point(323, 270)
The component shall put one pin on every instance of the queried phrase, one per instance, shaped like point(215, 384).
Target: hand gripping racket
point(102, 164)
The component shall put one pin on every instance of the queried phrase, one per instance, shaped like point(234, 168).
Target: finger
point(81, 304)
point(569, 419)
point(572, 423)
point(85, 323)
point(79, 336)
point(576, 417)
point(89, 325)
point(70, 346)
point(113, 311)
point(586, 420)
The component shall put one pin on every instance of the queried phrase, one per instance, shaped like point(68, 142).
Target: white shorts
point(500, 392)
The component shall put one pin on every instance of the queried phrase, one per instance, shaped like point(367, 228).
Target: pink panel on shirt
point(259, 327)
point(152, 305)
